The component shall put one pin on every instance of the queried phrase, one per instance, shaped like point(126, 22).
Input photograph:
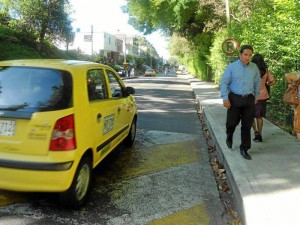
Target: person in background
point(292, 79)
point(239, 89)
point(261, 107)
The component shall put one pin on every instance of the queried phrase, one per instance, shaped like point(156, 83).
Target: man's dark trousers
point(242, 109)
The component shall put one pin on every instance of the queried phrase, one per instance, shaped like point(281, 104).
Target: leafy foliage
point(273, 30)
point(188, 18)
point(46, 20)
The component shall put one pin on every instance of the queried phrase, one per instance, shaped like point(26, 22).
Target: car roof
point(49, 63)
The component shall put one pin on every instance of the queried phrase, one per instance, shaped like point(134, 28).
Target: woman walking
point(261, 107)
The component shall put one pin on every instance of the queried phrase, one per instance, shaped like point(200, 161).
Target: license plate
point(7, 127)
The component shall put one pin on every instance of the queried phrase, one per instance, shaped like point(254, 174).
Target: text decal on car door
point(108, 123)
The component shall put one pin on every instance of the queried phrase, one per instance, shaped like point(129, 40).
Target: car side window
point(115, 86)
point(96, 85)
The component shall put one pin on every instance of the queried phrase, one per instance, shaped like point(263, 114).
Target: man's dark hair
point(243, 47)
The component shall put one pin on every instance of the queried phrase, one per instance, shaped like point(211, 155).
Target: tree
point(47, 19)
point(185, 17)
point(272, 27)
point(191, 24)
point(179, 46)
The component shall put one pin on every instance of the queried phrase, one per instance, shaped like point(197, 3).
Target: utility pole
point(227, 14)
point(92, 39)
point(151, 57)
point(125, 48)
point(125, 64)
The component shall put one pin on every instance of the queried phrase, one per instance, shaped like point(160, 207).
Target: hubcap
point(83, 181)
point(133, 131)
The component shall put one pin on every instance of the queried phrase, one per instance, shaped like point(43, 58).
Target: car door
point(102, 112)
point(122, 105)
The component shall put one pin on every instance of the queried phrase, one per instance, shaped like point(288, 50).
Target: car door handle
point(99, 117)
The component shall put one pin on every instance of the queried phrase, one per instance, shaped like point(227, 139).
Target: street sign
point(230, 46)
point(230, 58)
point(125, 66)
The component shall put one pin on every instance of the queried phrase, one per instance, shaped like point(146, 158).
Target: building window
point(87, 38)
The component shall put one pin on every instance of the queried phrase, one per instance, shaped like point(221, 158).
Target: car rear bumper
point(60, 166)
point(39, 179)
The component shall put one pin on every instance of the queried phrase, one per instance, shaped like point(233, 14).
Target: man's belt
point(243, 96)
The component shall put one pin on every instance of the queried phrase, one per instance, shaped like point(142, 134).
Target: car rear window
point(28, 89)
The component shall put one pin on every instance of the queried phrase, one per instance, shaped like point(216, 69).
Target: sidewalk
point(266, 188)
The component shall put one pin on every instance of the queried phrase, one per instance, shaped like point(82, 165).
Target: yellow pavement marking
point(193, 216)
point(7, 197)
point(166, 156)
point(152, 159)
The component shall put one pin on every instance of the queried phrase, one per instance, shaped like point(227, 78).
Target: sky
point(107, 16)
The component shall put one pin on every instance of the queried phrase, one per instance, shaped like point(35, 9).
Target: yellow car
point(58, 120)
point(150, 72)
point(178, 71)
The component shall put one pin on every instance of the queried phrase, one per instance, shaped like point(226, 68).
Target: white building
point(105, 44)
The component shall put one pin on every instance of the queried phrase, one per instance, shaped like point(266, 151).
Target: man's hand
point(226, 103)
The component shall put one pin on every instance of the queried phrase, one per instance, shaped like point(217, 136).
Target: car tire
point(77, 193)
point(129, 140)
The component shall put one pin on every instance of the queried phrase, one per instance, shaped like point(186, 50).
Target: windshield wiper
point(14, 107)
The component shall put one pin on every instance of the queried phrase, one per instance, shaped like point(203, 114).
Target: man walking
point(239, 88)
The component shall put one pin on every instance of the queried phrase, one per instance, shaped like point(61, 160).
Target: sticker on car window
point(108, 123)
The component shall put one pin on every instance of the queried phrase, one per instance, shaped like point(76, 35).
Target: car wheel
point(76, 195)
point(129, 140)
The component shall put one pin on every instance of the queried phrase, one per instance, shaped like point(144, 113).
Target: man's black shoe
point(229, 143)
point(245, 154)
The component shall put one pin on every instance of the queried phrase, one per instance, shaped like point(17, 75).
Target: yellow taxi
point(58, 120)
point(179, 71)
point(150, 72)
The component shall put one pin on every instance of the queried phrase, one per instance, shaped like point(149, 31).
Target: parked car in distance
point(120, 70)
point(179, 71)
point(150, 72)
point(58, 120)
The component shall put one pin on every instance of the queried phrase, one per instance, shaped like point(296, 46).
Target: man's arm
point(224, 87)
point(225, 81)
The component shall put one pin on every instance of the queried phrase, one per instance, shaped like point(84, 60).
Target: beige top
point(292, 78)
point(263, 93)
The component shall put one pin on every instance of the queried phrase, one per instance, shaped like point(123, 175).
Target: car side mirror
point(129, 91)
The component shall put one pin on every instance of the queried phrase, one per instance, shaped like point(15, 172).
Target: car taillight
point(63, 136)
